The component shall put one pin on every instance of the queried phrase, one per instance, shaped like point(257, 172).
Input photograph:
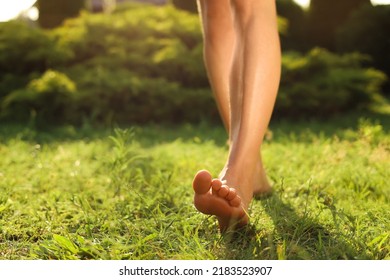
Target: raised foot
point(212, 197)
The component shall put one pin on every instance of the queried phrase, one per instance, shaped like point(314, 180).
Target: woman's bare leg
point(254, 80)
point(219, 39)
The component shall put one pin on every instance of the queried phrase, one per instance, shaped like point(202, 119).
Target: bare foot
point(258, 180)
point(212, 197)
point(261, 185)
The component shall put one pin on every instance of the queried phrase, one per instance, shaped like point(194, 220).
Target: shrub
point(167, 45)
point(131, 70)
point(321, 83)
point(24, 51)
point(121, 96)
point(48, 99)
point(122, 68)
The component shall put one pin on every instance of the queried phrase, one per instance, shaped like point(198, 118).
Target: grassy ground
point(126, 194)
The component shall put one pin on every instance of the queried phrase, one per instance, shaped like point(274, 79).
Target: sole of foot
point(212, 197)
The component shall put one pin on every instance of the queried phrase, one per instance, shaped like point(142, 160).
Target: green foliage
point(23, 51)
point(126, 40)
point(47, 98)
point(366, 31)
point(122, 96)
point(130, 70)
point(321, 83)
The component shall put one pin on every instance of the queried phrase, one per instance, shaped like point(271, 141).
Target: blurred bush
point(144, 64)
point(129, 69)
point(47, 100)
point(122, 96)
point(321, 83)
point(24, 51)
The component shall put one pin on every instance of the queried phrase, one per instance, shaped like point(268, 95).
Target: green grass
point(126, 193)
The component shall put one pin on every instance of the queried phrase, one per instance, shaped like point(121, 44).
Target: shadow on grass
point(64, 133)
point(150, 134)
point(293, 237)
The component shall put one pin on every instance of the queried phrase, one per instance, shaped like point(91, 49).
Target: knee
point(244, 10)
point(241, 7)
point(213, 10)
point(217, 20)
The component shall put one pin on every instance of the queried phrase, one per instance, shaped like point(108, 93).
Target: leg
point(219, 33)
point(219, 37)
point(253, 86)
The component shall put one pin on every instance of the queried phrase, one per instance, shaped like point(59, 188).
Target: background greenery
point(120, 68)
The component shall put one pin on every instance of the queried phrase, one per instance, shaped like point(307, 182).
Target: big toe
point(202, 182)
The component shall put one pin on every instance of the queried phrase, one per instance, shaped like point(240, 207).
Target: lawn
point(126, 193)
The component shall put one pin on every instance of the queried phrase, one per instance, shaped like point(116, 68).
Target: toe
point(235, 202)
point(223, 191)
point(231, 195)
point(202, 182)
point(216, 185)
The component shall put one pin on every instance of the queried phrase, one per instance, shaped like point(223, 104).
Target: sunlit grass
point(126, 193)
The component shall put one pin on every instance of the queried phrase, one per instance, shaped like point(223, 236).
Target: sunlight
point(306, 3)
point(303, 3)
point(380, 2)
point(11, 9)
